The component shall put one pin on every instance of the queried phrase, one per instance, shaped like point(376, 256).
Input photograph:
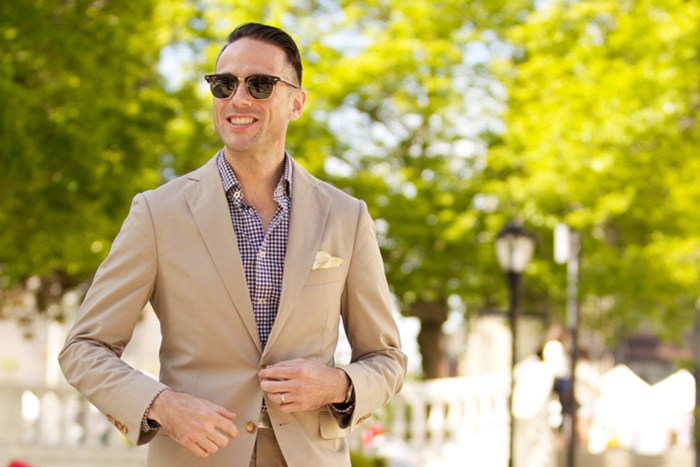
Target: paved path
point(622, 458)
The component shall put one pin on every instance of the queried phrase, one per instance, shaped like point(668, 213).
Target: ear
point(297, 104)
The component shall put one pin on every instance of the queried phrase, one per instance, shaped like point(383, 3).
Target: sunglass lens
point(222, 87)
point(260, 87)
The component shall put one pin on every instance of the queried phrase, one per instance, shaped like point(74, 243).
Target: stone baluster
point(11, 420)
point(92, 435)
point(418, 422)
point(50, 419)
point(72, 429)
point(454, 418)
point(436, 422)
point(399, 426)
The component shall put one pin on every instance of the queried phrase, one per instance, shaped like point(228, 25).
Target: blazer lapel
point(306, 226)
point(207, 201)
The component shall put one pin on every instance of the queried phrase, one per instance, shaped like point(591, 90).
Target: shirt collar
point(229, 180)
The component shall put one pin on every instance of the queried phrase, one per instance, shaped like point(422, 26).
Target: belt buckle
point(264, 421)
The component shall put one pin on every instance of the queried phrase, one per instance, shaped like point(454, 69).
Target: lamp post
point(514, 249)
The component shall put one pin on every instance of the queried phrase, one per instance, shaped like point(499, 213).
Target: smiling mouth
point(241, 121)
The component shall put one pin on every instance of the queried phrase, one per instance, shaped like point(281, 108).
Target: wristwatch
point(152, 424)
point(350, 395)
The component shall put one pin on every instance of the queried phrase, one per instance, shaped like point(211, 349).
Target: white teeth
point(241, 121)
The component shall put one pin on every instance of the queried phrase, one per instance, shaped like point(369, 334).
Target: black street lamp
point(514, 249)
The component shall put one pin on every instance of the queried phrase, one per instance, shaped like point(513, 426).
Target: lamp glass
point(514, 252)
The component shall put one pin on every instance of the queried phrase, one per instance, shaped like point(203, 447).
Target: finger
point(279, 373)
point(221, 410)
point(233, 432)
point(228, 428)
point(284, 399)
point(271, 374)
point(297, 362)
point(198, 450)
point(289, 408)
point(228, 415)
point(216, 437)
point(271, 386)
point(207, 445)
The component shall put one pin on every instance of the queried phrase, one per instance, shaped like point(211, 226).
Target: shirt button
point(261, 254)
point(251, 211)
point(250, 427)
point(237, 195)
point(261, 301)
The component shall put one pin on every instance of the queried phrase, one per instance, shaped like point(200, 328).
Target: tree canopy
point(602, 134)
point(83, 125)
point(448, 118)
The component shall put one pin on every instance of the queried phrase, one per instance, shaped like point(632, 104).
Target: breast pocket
point(326, 276)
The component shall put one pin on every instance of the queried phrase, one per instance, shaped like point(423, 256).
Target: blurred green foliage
point(357, 459)
point(602, 134)
point(82, 124)
point(449, 118)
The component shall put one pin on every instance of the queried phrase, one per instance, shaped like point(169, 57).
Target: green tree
point(416, 107)
point(396, 114)
point(602, 134)
point(401, 104)
point(83, 124)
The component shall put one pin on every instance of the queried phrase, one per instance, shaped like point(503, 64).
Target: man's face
point(247, 125)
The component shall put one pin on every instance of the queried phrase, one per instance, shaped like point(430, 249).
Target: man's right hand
point(199, 425)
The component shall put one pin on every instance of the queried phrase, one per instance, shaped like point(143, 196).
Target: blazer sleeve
point(91, 358)
point(378, 367)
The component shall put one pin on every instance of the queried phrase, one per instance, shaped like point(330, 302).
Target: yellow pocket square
point(324, 260)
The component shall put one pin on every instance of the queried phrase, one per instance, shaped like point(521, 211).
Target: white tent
point(642, 418)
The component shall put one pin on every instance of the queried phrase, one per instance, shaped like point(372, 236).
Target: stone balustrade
point(446, 421)
point(59, 428)
point(441, 422)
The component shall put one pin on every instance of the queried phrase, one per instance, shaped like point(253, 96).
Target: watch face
point(153, 423)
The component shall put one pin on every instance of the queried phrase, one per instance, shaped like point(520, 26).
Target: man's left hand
point(301, 384)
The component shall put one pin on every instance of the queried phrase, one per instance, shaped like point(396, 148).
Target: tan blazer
point(177, 248)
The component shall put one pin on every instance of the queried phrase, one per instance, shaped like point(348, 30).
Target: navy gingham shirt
point(262, 252)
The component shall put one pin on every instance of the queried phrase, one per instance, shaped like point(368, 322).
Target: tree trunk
point(430, 338)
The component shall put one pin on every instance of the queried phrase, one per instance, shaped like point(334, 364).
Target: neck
point(258, 176)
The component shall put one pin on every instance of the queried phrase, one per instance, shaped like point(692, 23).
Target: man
point(250, 263)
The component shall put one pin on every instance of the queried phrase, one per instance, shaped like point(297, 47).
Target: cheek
point(217, 114)
point(217, 107)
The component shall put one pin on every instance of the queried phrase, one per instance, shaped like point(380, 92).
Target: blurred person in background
point(555, 355)
point(587, 391)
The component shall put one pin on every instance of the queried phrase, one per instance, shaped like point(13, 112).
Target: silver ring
point(283, 398)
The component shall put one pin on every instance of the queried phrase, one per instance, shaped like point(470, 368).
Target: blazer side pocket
point(328, 427)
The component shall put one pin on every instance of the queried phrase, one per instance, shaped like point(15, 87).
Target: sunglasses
point(260, 87)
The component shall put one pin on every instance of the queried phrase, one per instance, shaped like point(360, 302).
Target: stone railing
point(59, 428)
point(446, 421)
point(442, 422)
point(466, 421)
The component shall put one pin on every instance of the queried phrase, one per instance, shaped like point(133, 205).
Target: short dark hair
point(271, 35)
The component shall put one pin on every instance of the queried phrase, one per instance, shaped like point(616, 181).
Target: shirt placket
point(264, 278)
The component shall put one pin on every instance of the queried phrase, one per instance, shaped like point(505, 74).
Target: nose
point(240, 97)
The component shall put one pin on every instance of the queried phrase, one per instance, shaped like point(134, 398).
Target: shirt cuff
point(146, 423)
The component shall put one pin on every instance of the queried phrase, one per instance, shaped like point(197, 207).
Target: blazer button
point(250, 427)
